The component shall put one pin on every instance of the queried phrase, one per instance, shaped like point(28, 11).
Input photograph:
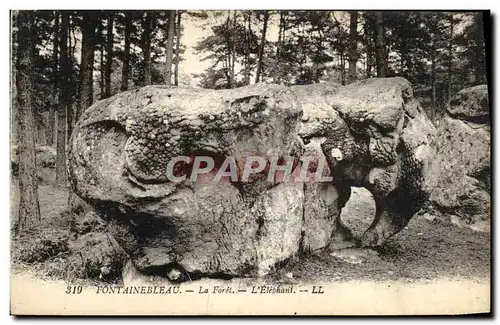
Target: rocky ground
point(426, 250)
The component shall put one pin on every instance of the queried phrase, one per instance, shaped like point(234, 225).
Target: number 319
point(73, 290)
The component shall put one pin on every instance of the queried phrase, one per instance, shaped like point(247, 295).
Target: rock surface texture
point(464, 157)
point(372, 134)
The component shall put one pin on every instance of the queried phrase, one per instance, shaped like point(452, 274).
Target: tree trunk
point(227, 56)
point(433, 83)
point(170, 48)
point(369, 65)
point(101, 61)
point(480, 66)
point(403, 46)
point(248, 32)
point(126, 53)
point(64, 101)
point(318, 67)
point(368, 44)
point(353, 45)
point(233, 50)
point(342, 68)
point(52, 110)
point(404, 58)
point(303, 53)
point(29, 208)
point(228, 52)
point(380, 56)
point(281, 40)
point(146, 49)
point(101, 72)
point(262, 46)
point(87, 63)
point(109, 56)
point(70, 110)
point(450, 59)
point(177, 47)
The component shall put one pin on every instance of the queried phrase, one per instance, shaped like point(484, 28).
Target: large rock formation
point(463, 155)
point(372, 134)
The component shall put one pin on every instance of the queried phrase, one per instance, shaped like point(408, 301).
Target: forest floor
point(425, 250)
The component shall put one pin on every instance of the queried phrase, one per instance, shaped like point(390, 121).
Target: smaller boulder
point(463, 160)
point(97, 255)
point(470, 104)
point(91, 222)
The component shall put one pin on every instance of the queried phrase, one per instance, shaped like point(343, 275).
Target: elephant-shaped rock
point(371, 133)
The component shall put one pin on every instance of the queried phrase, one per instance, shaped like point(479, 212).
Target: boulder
point(96, 255)
point(45, 158)
point(463, 145)
point(470, 104)
point(118, 154)
point(372, 134)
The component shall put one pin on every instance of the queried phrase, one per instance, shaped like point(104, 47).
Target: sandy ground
point(428, 268)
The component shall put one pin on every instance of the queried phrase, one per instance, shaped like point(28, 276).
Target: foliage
point(439, 52)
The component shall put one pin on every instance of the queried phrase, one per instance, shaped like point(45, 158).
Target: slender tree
point(380, 56)
point(87, 62)
point(342, 65)
point(55, 76)
point(102, 65)
point(29, 208)
point(262, 45)
point(247, 46)
point(126, 52)
point(232, 41)
point(353, 45)
point(433, 83)
point(148, 24)
point(450, 56)
point(368, 38)
point(109, 55)
point(178, 30)
point(279, 46)
point(72, 89)
point(64, 100)
point(230, 55)
point(480, 64)
point(170, 47)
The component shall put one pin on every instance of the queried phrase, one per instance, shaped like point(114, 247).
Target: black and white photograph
point(250, 162)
